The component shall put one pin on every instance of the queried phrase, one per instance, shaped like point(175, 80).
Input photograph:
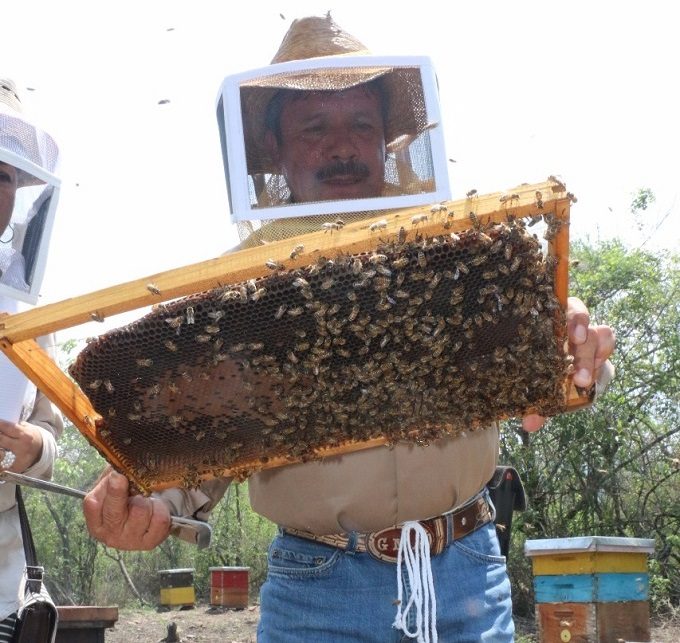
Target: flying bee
point(378, 225)
point(273, 265)
point(330, 226)
point(153, 289)
point(470, 193)
point(144, 362)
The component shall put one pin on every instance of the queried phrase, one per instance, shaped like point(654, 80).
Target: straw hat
point(16, 134)
point(315, 37)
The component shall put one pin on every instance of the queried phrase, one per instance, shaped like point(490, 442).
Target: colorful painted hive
point(177, 587)
point(591, 588)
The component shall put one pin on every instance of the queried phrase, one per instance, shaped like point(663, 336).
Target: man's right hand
point(120, 520)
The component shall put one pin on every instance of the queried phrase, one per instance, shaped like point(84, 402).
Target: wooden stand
point(84, 624)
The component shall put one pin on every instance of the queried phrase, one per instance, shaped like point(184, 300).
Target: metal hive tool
point(418, 325)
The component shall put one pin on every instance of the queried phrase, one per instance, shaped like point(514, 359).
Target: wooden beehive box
point(592, 588)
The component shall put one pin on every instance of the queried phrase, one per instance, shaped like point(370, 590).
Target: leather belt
point(384, 544)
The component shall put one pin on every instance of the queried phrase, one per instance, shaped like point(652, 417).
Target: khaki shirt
point(360, 491)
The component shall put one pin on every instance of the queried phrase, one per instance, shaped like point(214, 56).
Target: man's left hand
point(24, 441)
point(590, 344)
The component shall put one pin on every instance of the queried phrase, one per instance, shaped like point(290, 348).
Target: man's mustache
point(352, 168)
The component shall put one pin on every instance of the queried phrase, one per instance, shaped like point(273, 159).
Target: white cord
point(419, 573)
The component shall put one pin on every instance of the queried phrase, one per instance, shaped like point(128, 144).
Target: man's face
point(332, 145)
point(8, 189)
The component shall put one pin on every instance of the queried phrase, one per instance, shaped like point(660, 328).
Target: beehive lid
point(546, 546)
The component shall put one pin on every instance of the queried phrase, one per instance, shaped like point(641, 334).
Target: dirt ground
point(204, 624)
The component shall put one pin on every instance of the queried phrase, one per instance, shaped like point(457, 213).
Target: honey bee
point(230, 295)
point(273, 265)
point(173, 388)
point(280, 311)
point(191, 317)
point(95, 384)
point(134, 417)
point(174, 322)
point(95, 316)
point(256, 346)
point(422, 260)
point(258, 294)
point(297, 250)
point(174, 421)
point(377, 259)
point(330, 226)
point(401, 235)
point(469, 194)
point(202, 339)
point(418, 218)
point(153, 289)
point(400, 263)
point(378, 225)
point(144, 362)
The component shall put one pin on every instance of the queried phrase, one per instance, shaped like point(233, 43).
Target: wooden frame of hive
point(17, 332)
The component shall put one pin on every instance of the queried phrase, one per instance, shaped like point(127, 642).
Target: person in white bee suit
point(29, 423)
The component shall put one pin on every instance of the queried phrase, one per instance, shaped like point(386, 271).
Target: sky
point(583, 90)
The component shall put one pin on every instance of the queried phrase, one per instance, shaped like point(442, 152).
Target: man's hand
point(120, 520)
point(591, 346)
point(24, 441)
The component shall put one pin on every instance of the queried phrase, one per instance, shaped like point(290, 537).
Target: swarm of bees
point(414, 341)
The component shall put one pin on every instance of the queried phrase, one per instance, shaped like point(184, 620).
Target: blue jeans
point(315, 593)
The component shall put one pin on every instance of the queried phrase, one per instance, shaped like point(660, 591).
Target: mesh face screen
point(413, 341)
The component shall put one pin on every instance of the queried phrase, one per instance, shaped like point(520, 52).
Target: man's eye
point(5, 177)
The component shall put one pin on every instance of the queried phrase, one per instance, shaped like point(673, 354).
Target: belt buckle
point(384, 545)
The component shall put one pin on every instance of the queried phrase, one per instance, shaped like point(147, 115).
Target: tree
point(614, 469)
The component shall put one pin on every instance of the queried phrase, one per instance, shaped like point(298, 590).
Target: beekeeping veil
point(28, 196)
point(316, 55)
